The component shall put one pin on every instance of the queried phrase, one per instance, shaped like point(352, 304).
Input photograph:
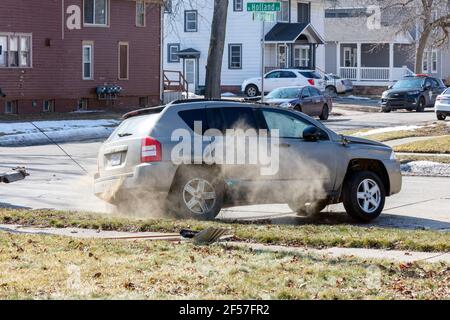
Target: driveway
point(57, 183)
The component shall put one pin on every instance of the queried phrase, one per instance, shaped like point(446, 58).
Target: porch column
point(338, 56)
point(358, 61)
point(391, 62)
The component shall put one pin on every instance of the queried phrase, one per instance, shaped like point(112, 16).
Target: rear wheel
point(251, 91)
point(198, 193)
point(331, 91)
point(421, 105)
point(325, 113)
point(441, 116)
point(364, 196)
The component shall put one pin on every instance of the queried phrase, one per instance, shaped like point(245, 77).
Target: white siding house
point(296, 40)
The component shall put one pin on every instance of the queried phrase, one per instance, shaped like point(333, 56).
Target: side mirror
point(312, 134)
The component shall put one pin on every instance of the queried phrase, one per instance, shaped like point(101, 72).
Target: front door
point(283, 57)
point(307, 167)
point(302, 56)
point(190, 74)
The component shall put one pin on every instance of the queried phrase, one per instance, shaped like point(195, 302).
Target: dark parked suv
point(412, 93)
point(316, 166)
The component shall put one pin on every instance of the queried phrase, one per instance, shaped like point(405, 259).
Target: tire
point(441, 116)
point(386, 109)
point(298, 108)
point(421, 105)
point(251, 91)
point(325, 113)
point(309, 210)
point(358, 198)
point(197, 193)
point(331, 91)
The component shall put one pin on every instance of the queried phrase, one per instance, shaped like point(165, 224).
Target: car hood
point(356, 140)
point(392, 91)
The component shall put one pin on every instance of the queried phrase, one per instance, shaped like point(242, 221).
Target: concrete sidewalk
point(393, 255)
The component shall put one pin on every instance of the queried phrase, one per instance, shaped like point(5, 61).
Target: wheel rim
point(199, 196)
point(251, 91)
point(369, 196)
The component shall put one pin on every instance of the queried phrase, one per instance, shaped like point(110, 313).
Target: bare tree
point(216, 48)
point(429, 19)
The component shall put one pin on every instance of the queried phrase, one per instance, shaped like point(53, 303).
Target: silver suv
point(316, 166)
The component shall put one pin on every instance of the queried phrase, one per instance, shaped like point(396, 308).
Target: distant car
point(415, 92)
point(335, 84)
point(282, 78)
point(442, 105)
point(306, 99)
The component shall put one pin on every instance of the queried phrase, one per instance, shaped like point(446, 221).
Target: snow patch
point(357, 98)
point(386, 130)
point(426, 168)
point(24, 133)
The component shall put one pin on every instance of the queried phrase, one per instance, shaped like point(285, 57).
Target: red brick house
point(67, 55)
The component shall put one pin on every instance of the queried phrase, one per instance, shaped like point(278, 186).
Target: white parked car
point(283, 78)
point(442, 105)
point(335, 84)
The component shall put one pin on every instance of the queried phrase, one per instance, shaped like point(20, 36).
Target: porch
point(374, 63)
point(291, 45)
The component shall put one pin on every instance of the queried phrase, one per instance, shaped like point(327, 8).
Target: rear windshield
point(447, 91)
point(135, 127)
point(310, 74)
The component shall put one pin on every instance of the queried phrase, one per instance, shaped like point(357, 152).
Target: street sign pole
point(263, 50)
point(264, 11)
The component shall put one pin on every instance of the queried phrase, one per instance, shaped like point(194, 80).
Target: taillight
point(439, 98)
point(311, 82)
point(150, 150)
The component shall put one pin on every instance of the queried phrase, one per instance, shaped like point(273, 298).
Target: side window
point(434, 83)
point(239, 118)
point(288, 74)
point(192, 116)
point(314, 92)
point(428, 83)
point(289, 126)
point(306, 93)
point(273, 75)
point(215, 119)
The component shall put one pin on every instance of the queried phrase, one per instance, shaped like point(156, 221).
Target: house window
point(425, 63)
point(434, 62)
point(48, 106)
point(143, 102)
point(235, 56)
point(238, 5)
point(349, 57)
point(304, 13)
point(82, 104)
point(88, 61)
point(15, 51)
point(140, 13)
point(191, 21)
point(96, 12)
point(11, 107)
point(172, 52)
point(283, 15)
point(124, 59)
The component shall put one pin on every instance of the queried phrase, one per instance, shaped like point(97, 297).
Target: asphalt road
point(57, 183)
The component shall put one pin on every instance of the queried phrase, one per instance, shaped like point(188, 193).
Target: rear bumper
point(442, 108)
point(148, 178)
point(395, 176)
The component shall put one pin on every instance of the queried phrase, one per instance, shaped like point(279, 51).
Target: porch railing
point(375, 74)
point(175, 80)
point(349, 73)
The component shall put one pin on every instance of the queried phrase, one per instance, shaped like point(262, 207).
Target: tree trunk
point(418, 68)
point(216, 48)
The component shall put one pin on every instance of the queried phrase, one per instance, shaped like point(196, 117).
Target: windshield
point(408, 84)
point(285, 93)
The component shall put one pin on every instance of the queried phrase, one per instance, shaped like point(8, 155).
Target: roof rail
point(140, 112)
point(202, 100)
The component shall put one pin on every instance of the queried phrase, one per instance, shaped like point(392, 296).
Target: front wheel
point(364, 196)
point(251, 91)
point(421, 105)
point(386, 109)
point(441, 116)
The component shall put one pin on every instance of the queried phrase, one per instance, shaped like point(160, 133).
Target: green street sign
point(264, 6)
point(263, 16)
